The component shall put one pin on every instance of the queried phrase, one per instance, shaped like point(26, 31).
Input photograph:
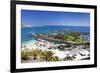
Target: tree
point(48, 55)
point(25, 54)
point(68, 58)
point(55, 58)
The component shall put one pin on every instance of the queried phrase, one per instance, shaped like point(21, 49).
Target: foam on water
point(30, 42)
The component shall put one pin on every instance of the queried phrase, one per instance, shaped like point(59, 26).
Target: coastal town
point(57, 46)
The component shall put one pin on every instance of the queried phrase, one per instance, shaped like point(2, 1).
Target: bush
point(24, 54)
point(40, 55)
point(68, 58)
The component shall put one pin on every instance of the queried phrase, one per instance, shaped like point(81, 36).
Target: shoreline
point(61, 53)
point(57, 47)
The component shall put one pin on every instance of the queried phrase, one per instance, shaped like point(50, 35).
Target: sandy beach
point(77, 52)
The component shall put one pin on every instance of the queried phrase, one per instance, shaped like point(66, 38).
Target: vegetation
point(25, 54)
point(37, 54)
point(48, 56)
point(68, 58)
point(40, 55)
point(55, 58)
point(74, 37)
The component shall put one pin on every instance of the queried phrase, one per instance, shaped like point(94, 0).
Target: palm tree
point(24, 54)
point(34, 54)
point(55, 58)
point(48, 55)
point(68, 58)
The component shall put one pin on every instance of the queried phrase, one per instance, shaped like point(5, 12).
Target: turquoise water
point(26, 33)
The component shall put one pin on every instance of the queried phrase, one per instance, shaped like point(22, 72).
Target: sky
point(31, 18)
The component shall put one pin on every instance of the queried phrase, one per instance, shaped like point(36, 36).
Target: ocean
point(26, 33)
